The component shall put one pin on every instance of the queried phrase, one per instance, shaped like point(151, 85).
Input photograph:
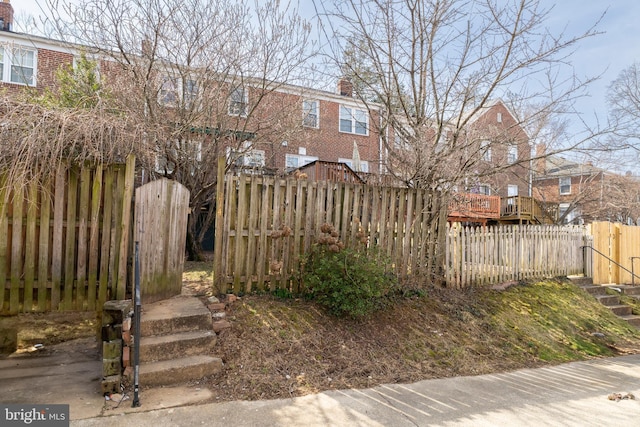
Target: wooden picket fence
point(64, 243)
point(494, 254)
point(265, 224)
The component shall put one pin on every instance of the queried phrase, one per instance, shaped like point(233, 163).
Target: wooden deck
point(524, 210)
point(478, 208)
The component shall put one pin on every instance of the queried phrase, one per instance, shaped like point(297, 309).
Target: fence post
point(217, 245)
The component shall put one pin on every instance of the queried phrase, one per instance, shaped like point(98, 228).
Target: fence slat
point(44, 240)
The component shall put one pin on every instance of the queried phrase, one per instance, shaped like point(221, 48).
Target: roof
point(559, 166)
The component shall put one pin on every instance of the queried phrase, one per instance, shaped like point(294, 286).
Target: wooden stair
point(612, 302)
point(177, 342)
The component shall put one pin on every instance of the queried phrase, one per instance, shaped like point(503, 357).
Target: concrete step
point(174, 346)
point(595, 289)
point(581, 280)
point(178, 314)
point(608, 300)
point(626, 289)
point(174, 371)
point(620, 310)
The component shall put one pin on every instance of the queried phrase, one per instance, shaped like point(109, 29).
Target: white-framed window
point(485, 150)
point(353, 120)
point(512, 190)
point(311, 113)
point(512, 154)
point(238, 101)
point(248, 157)
point(481, 189)
point(565, 185)
point(293, 161)
point(573, 216)
point(18, 65)
point(168, 93)
point(499, 117)
point(364, 165)
point(174, 89)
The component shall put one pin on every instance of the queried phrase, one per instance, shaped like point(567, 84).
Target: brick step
point(595, 289)
point(173, 346)
point(632, 319)
point(178, 314)
point(175, 371)
point(608, 300)
point(620, 310)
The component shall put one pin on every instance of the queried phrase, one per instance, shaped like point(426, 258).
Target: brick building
point(586, 193)
point(503, 151)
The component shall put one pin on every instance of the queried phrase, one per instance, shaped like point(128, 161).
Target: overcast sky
point(606, 54)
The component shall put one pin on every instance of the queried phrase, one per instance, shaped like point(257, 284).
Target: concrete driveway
point(574, 394)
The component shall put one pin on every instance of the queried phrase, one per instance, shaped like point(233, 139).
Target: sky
point(604, 55)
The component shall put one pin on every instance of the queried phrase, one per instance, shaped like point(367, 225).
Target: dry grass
point(290, 347)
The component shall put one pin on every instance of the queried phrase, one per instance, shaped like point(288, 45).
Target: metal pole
point(136, 331)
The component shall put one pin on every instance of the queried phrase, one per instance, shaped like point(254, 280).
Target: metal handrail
point(633, 275)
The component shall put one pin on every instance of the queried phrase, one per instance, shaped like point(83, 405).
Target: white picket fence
point(495, 254)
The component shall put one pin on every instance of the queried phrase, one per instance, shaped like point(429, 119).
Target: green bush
point(348, 282)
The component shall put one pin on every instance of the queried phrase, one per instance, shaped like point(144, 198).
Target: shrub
point(348, 282)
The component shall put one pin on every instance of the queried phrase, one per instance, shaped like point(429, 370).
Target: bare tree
point(436, 65)
point(200, 76)
point(624, 107)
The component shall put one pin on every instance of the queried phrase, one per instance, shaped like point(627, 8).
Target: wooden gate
point(619, 243)
point(161, 212)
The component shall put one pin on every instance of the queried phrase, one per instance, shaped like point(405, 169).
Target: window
point(565, 185)
point(354, 121)
point(248, 158)
point(172, 91)
point(184, 152)
point(512, 193)
point(485, 150)
point(18, 65)
point(512, 154)
point(364, 165)
point(238, 101)
point(481, 189)
point(310, 114)
point(293, 161)
point(190, 91)
point(168, 94)
point(499, 117)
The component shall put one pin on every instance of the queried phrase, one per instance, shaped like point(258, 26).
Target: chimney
point(345, 87)
point(6, 15)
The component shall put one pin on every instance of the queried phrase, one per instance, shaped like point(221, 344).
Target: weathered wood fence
point(64, 244)
point(67, 244)
point(494, 254)
point(619, 248)
point(264, 225)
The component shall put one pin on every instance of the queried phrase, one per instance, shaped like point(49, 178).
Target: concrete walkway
point(573, 394)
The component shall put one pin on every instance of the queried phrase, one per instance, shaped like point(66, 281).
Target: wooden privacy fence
point(64, 244)
point(161, 214)
point(618, 245)
point(264, 224)
point(486, 255)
